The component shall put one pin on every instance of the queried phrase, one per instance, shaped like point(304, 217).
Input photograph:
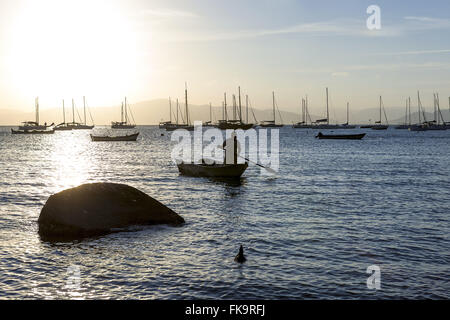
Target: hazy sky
point(147, 49)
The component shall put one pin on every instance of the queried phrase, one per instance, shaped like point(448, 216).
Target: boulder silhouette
point(99, 208)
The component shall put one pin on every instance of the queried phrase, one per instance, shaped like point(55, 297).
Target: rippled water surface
point(335, 208)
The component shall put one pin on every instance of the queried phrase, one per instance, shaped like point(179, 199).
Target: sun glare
point(64, 48)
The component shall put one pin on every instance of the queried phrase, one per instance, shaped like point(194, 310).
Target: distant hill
point(154, 111)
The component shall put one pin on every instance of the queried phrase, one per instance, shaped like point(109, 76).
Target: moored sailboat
point(325, 123)
point(305, 115)
point(33, 127)
point(272, 123)
point(235, 123)
point(123, 124)
point(406, 124)
point(63, 126)
point(378, 124)
point(347, 125)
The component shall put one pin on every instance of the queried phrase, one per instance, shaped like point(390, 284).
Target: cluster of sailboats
point(438, 122)
point(236, 120)
point(34, 127)
point(232, 121)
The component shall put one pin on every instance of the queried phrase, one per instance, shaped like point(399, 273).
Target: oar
point(259, 165)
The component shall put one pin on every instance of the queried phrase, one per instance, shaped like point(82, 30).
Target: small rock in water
point(240, 256)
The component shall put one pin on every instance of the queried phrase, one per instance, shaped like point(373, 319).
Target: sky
point(148, 49)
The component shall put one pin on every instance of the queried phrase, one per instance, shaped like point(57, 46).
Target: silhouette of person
point(232, 149)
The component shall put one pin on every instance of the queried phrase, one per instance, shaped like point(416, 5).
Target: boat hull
point(131, 137)
point(271, 125)
point(234, 126)
point(179, 126)
point(402, 127)
point(379, 127)
point(82, 127)
point(125, 126)
point(215, 170)
point(32, 131)
point(341, 136)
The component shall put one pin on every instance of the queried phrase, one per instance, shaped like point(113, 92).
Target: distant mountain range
point(153, 111)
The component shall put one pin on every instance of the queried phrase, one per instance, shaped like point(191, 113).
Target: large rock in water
point(98, 208)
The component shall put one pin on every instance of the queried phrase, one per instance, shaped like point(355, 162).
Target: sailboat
point(76, 125)
point(33, 127)
point(186, 125)
point(271, 123)
point(320, 124)
point(63, 126)
point(378, 125)
point(235, 123)
point(347, 125)
point(436, 123)
point(209, 123)
point(123, 124)
point(305, 115)
point(177, 124)
point(420, 126)
point(166, 124)
point(407, 124)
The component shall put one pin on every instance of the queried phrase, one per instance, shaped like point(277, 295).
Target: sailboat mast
point(177, 110)
point(347, 113)
point(121, 112)
point(273, 105)
point(64, 113)
point(84, 109)
point(37, 109)
point(234, 107)
point(436, 120)
point(409, 110)
point(125, 108)
point(240, 106)
point(306, 111)
point(186, 102)
point(210, 113)
point(303, 110)
point(225, 106)
point(246, 107)
point(418, 106)
point(380, 110)
point(439, 110)
point(73, 111)
point(406, 113)
point(328, 113)
point(170, 109)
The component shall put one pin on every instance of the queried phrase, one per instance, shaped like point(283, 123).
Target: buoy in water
point(240, 256)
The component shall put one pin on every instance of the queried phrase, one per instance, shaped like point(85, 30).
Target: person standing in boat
point(232, 149)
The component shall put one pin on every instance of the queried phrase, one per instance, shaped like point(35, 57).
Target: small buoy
point(162, 134)
point(240, 256)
